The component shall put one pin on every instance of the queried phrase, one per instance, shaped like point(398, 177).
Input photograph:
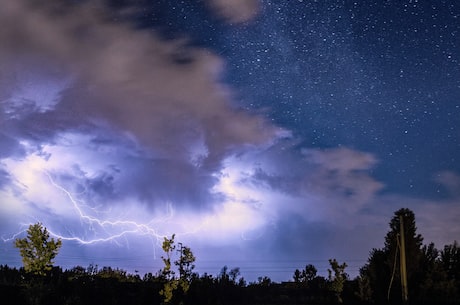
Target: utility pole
point(403, 260)
point(181, 260)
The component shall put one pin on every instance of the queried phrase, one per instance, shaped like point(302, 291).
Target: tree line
point(433, 277)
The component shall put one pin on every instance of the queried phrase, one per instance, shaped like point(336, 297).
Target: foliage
point(337, 278)
point(171, 283)
point(434, 279)
point(264, 281)
point(430, 273)
point(306, 276)
point(37, 249)
point(185, 267)
point(364, 291)
point(450, 260)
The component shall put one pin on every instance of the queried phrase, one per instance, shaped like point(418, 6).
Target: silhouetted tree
point(234, 273)
point(364, 291)
point(450, 260)
point(439, 283)
point(306, 276)
point(309, 273)
point(381, 275)
point(297, 276)
point(264, 281)
point(414, 253)
point(337, 277)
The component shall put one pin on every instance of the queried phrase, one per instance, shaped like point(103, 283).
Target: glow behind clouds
point(113, 137)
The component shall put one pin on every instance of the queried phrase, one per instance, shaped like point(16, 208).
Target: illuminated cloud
point(112, 132)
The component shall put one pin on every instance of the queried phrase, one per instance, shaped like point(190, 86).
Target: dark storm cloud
point(9, 146)
point(161, 180)
point(330, 181)
point(160, 105)
point(4, 177)
point(300, 239)
point(340, 172)
point(132, 79)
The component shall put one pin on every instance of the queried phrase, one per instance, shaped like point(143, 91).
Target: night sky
point(266, 135)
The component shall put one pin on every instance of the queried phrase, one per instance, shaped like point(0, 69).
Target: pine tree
point(382, 269)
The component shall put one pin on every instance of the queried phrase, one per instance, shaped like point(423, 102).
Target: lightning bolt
point(236, 217)
point(125, 227)
point(137, 228)
point(122, 228)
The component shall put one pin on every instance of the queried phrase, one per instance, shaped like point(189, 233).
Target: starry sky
point(266, 135)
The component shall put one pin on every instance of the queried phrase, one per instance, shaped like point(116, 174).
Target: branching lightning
point(137, 228)
point(122, 227)
point(231, 219)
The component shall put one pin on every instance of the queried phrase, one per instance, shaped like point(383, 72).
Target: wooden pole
point(403, 261)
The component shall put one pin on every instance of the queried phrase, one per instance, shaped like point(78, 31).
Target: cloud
point(166, 93)
point(112, 131)
point(4, 176)
point(114, 111)
point(343, 173)
point(235, 11)
point(449, 180)
point(340, 159)
point(325, 202)
point(319, 184)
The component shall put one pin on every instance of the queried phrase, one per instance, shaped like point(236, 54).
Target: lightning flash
point(48, 193)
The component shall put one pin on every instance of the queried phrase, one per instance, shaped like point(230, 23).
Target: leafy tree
point(450, 260)
point(234, 274)
point(437, 288)
point(337, 278)
point(305, 276)
point(364, 291)
point(375, 276)
point(297, 276)
point(223, 277)
point(264, 281)
point(442, 283)
point(38, 250)
point(231, 277)
point(185, 267)
point(309, 273)
point(168, 274)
